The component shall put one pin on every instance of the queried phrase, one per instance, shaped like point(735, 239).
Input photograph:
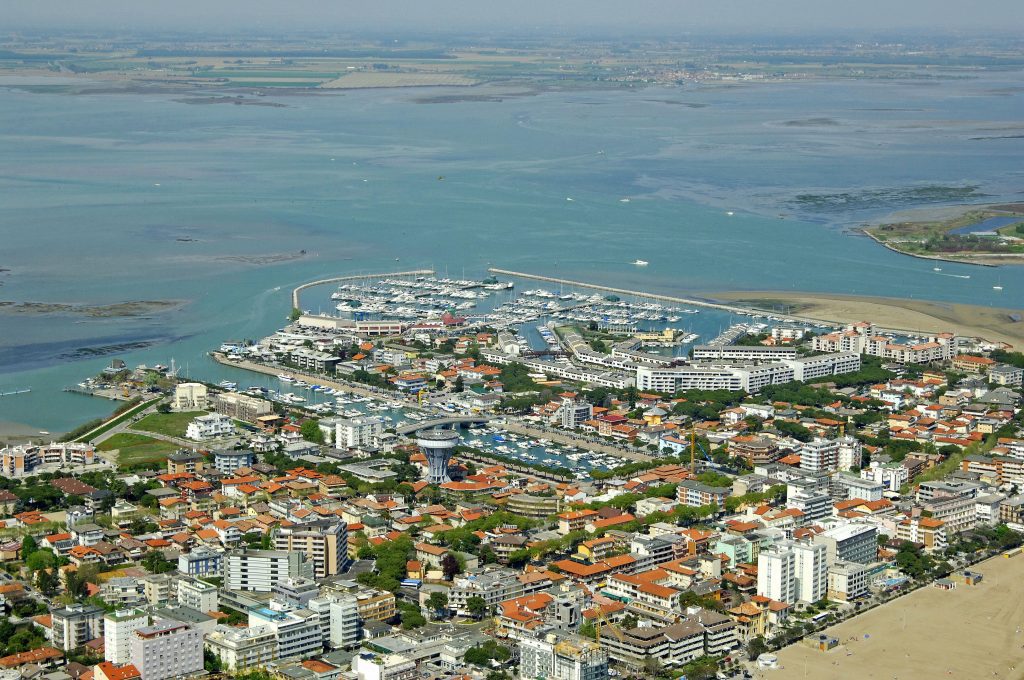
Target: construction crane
point(599, 625)
point(693, 452)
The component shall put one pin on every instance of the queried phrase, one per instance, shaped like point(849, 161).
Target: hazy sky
point(622, 16)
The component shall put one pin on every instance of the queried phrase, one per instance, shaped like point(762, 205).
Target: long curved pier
point(353, 277)
point(736, 309)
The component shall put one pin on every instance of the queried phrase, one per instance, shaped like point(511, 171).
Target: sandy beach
point(968, 632)
point(991, 323)
point(18, 433)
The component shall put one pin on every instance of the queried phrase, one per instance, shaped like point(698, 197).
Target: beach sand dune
point(991, 323)
point(968, 632)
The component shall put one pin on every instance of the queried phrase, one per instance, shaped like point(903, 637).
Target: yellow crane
point(599, 625)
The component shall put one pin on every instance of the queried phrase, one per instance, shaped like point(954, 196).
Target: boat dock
point(296, 304)
point(729, 336)
point(735, 309)
point(11, 393)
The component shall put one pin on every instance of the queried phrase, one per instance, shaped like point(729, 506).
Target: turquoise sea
point(108, 198)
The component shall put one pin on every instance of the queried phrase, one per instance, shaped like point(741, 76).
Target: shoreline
point(896, 314)
point(946, 220)
point(896, 639)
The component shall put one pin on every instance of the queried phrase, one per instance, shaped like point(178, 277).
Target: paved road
point(124, 425)
point(178, 441)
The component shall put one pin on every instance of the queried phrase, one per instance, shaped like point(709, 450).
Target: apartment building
point(353, 433)
point(259, 570)
point(74, 625)
point(928, 531)
point(759, 353)
point(559, 657)
point(242, 649)
point(819, 455)
point(298, 632)
point(241, 406)
point(850, 543)
point(755, 450)
point(325, 544)
point(167, 649)
point(228, 461)
point(190, 397)
point(118, 630)
point(699, 633)
point(847, 581)
point(201, 561)
point(695, 494)
point(494, 585)
point(199, 595)
point(19, 460)
point(793, 571)
point(210, 426)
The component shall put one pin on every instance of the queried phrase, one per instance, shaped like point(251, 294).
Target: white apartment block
point(749, 377)
point(845, 487)
point(198, 595)
point(850, 454)
point(891, 476)
point(560, 658)
point(575, 413)
point(793, 571)
point(243, 649)
point(298, 632)
point(118, 630)
point(167, 649)
point(820, 454)
point(210, 426)
point(810, 568)
point(259, 570)
point(16, 461)
point(775, 575)
point(353, 432)
point(808, 368)
point(850, 543)
point(814, 504)
point(847, 581)
point(190, 397)
point(370, 666)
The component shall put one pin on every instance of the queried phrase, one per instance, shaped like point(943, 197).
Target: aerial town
point(453, 479)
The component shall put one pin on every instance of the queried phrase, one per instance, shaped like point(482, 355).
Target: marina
point(335, 398)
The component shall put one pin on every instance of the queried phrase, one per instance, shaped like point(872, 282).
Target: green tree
point(477, 607)
point(295, 314)
point(155, 563)
point(211, 662)
point(40, 559)
point(438, 603)
point(28, 546)
point(311, 431)
point(47, 582)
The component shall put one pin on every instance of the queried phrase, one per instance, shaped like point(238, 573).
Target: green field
point(170, 424)
point(136, 450)
point(934, 237)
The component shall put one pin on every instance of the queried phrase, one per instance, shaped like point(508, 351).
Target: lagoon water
point(110, 198)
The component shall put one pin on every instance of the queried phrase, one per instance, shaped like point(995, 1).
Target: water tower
point(437, 446)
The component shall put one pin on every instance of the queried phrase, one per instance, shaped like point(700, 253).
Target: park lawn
point(136, 450)
point(169, 424)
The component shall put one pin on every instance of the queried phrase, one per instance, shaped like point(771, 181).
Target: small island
point(985, 235)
